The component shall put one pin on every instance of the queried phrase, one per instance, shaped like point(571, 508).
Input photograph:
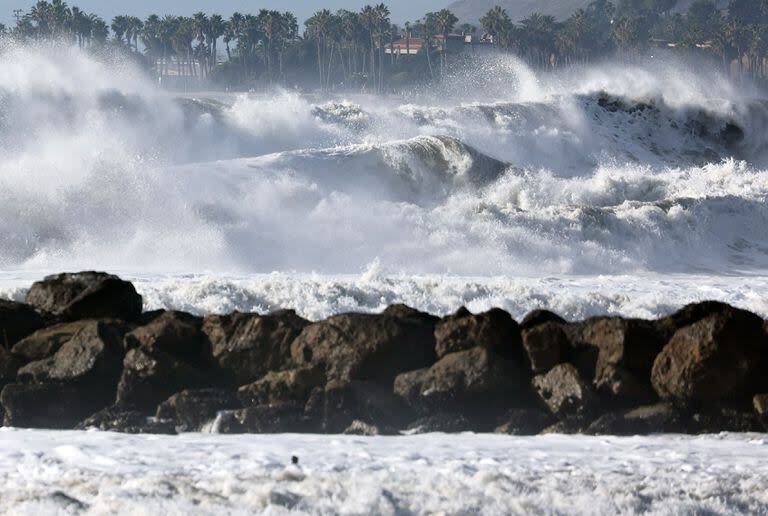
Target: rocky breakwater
point(82, 353)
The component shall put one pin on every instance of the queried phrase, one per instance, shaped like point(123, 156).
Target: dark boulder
point(716, 419)
point(537, 317)
point(178, 334)
point(625, 351)
point(408, 386)
point(524, 422)
point(650, 419)
point(50, 405)
point(564, 392)
point(340, 403)
point(719, 358)
point(86, 295)
point(690, 314)
point(283, 386)
point(362, 428)
point(365, 346)
point(117, 419)
point(546, 345)
point(46, 342)
point(17, 320)
point(574, 424)
point(93, 354)
point(476, 382)
point(441, 422)
point(406, 312)
point(79, 379)
point(151, 376)
point(191, 409)
point(251, 345)
point(264, 419)
point(760, 404)
point(494, 330)
point(9, 365)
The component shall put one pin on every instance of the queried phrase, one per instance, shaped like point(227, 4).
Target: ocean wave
point(99, 169)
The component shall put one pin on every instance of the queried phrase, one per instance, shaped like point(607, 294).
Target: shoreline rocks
point(82, 354)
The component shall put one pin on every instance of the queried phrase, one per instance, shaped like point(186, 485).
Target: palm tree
point(120, 26)
point(629, 35)
point(134, 26)
point(99, 30)
point(318, 27)
point(269, 24)
point(216, 29)
point(539, 32)
point(497, 23)
point(289, 29)
point(382, 18)
point(445, 21)
point(200, 24)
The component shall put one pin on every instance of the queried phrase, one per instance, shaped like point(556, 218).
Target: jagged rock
point(494, 330)
point(79, 379)
point(564, 392)
point(718, 358)
point(151, 376)
point(191, 409)
point(265, 419)
point(93, 353)
point(409, 385)
point(441, 422)
point(9, 365)
point(86, 295)
point(362, 428)
point(365, 346)
point(713, 420)
point(524, 422)
point(574, 424)
point(178, 334)
point(46, 342)
point(658, 418)
point(690, 314)
point(283, 386)
point(341, 403)
point(49, 405)
point(17, 320)
point(477, 382)
point(626, 349)
point(760, 403)
point(537, 317)
point(117, 419)
point(406, 312)
point(546, 345)
point(251, 345)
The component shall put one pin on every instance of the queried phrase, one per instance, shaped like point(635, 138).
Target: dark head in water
point(294, 459)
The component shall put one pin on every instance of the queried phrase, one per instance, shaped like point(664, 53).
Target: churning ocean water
point(615, 189)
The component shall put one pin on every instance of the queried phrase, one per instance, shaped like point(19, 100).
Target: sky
point(402, 10)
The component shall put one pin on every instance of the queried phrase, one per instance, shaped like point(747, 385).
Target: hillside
point(472, 10)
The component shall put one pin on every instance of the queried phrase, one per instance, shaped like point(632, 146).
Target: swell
point(100, 169)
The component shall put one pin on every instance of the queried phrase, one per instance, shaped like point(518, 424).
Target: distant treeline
point(364, 50)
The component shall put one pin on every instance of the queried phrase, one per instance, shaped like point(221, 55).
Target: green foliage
point(355, 49)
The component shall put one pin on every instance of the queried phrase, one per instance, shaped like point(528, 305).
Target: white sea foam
point(464, 195)
point(44, 472)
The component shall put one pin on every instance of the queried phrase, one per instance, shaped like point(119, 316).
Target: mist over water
point(653, 169)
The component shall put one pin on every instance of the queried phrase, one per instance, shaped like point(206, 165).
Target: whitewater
point(610, 189)
point(104, 473)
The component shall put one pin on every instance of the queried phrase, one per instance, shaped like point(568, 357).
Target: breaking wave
point(615, 170)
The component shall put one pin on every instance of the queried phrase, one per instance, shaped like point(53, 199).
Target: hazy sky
point(402, 10)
